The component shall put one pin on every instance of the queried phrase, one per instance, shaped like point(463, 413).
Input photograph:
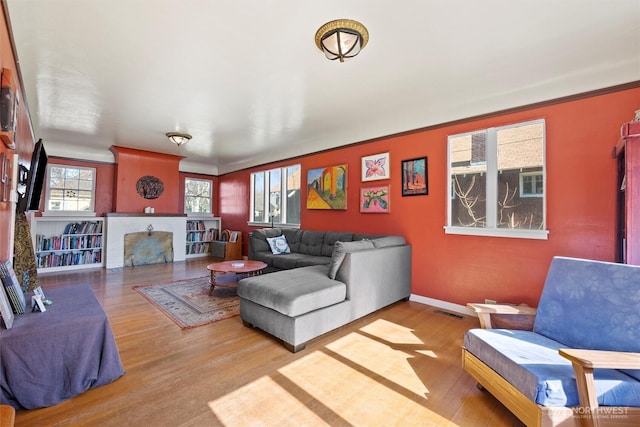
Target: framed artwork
point(376, 167)
point(414, 177)
point(327, 188)
point(11, 285)
point(375, 199)
point(5, 309)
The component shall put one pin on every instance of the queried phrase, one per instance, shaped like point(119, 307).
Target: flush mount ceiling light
point(178, 138)
point(341, 39)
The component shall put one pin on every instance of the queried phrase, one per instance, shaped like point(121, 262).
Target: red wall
point(104, 182)
point(459, 269)
point(131, 165)
point(24, 137)
point(214, 186)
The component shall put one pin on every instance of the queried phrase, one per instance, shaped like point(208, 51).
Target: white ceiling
point(247, 81)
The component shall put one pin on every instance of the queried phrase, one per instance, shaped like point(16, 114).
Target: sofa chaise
point(580, 365)
point(313, 293)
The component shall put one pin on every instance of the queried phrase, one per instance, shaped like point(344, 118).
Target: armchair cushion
point(591, 304)
point(531, 363)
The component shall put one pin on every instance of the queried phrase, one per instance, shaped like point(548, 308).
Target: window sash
point(275, 196)
point(199, 200)
point(70, 189)
point(492, 200)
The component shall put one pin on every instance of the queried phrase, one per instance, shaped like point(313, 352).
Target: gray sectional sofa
point(327, 280)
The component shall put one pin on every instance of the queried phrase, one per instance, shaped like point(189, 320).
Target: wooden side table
point(247, 267)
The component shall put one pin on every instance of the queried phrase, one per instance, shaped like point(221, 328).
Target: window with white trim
point(275, 196)
point(198, 194)
point(531, 184)
point(496, 182)
point(70, 190)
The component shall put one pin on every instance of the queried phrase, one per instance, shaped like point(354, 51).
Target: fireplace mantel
point(120, 223)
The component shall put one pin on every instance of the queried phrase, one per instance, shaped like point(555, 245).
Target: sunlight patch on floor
point(263, 402)
point(364, 378)
point(391, 332)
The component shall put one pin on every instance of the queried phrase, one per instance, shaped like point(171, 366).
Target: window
point(531, 184)
point(197, 195)
point(275, 196)
point(70, 189)
point(496, 182)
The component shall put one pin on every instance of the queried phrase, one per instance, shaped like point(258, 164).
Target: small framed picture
point(414, 177)
point(37, 303)
point(12, 286)
point(233, 236)
point(376, 167)
point(39, 291)
point(375, 199)
point(5, 309)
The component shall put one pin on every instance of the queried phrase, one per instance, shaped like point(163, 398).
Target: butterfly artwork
point(374, 199)
point(375, 167)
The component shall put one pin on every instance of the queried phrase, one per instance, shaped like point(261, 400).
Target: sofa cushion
point(330, 239)
point(591, 304)
point(286, 261)
point(531, 363)
point(293, 238)
point(387, 241)
point(293, 292)
point(308, 260)
point(278, 245)
point(311, 242)
point(259, 238)
point(341, 249)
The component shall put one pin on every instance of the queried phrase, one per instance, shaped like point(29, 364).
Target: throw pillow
point(387, 241)
point(340, 249)
point(278, 245)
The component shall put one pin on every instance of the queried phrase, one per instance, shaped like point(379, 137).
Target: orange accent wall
point(24, 137)
point(133, 164)
point(214, 185)
point(581, 202)
point(104, 182)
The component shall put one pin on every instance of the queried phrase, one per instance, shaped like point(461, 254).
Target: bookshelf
point(201, 231)
point(67, 243)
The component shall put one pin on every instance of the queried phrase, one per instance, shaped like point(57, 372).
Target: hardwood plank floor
point(398, 366)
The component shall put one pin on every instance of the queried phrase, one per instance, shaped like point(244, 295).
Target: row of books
point(84, 227)
point(202, 236)
point(198, 248)
point(70, 258)
point(68, 242)
point(194, 225)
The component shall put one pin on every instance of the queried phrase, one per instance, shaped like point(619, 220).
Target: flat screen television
point(30, 200)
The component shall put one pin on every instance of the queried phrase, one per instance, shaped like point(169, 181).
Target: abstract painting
point(374, 199)
point(414, 177)
point(375, 167)
point(327, 188)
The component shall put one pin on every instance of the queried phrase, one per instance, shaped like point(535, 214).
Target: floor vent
point(446, 313)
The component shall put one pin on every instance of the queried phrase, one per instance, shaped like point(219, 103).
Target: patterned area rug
point(188, 303)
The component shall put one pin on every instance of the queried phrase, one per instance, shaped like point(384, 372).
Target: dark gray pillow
point(340, 249)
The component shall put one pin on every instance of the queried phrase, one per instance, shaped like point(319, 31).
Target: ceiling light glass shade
point(341, 39)
point(178, 138)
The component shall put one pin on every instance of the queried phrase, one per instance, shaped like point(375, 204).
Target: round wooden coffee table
point(245, 267)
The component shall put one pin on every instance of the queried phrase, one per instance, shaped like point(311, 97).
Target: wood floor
point(399, 366)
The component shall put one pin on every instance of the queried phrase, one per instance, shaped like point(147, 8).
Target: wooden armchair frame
point(583, 361)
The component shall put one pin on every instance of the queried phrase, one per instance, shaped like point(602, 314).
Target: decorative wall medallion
point(149, 187)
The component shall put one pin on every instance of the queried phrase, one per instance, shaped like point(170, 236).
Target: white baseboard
point(449, 306)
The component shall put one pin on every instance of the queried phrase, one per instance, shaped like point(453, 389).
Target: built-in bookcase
point(67, 243)
point(201, 231)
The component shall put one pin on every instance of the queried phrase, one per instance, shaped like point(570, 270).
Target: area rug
point(188, 303)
